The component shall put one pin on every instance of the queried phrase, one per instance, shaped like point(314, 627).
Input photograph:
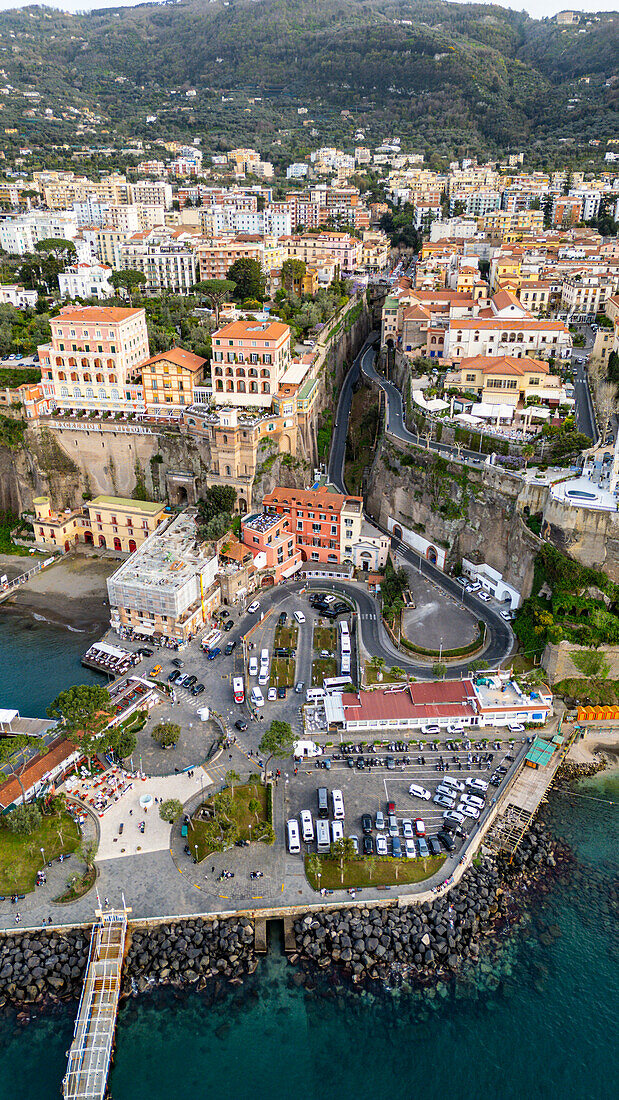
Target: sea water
point(539, 1020)
point(38, 659)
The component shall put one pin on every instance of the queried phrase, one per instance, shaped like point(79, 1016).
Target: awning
point(466, 418)
point(103, 647)
point(7, 716)
point(291, 569)
point(493, 412)
point(147, 630)
point(538, 414)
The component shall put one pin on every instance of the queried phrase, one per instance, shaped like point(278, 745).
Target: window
point(470, 378)
point(315, 556)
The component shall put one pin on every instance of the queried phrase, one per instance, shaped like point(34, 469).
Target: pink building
point(273, 544)
point(249, 359)
point(94, 353)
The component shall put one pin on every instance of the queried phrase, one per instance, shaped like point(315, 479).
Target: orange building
point(168, 380)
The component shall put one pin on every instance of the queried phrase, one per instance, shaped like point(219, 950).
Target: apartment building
point(216, 257)
point(107, 522)
point(167, 589)
point(583, 293)
point(167, 260)
point(494, 336)
point(272, 542)
point(328, 527)
point(152, 193)
point(13, 294)
point(21, 234)
point(347, 251)
point(86, 281)
point(94, 353)
point(505, 379)
point(169, 380)
point(249, 359)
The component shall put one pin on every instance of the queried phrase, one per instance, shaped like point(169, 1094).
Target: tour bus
point(307, 826)
point(323, 839)
point(337, 799)
point(344, 628)
point(335, 683)
point(345, 664)
point(294, 842)
point(238, 688)
point(345, 643)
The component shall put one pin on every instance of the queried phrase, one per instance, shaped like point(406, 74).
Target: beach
point(71, 593)
point(596, 743)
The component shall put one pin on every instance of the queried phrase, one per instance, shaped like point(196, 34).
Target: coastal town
point(323, 458)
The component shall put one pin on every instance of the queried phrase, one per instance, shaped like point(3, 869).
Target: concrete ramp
point(290, 943)
point(260, 936)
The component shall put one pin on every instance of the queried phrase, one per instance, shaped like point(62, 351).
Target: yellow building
point(168, 380)
point(111, 523)
point(503, 379)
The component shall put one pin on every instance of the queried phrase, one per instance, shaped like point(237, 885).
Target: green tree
point(166, 734)
point(377, 664)
point(57, 247)
point(527, 453)
point(254, 807)
point(343, 850)
point(592, 664)
point(124, 744)
point(128, 280)
point(170, 810)
point(397, 671)
point(439, 668)
point(248, 278)
point(216, 292)
point(85, 712)
point(314, 867)
point(292, 271)
point(24, 820)
point(276, 742)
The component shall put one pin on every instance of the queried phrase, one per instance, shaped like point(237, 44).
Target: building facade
point(109, 523)
point(169, 380)
point(249, 359)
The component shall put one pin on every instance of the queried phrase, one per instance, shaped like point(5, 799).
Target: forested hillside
point(442, 76)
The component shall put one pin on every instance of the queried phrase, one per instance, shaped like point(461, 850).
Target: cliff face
point(472, 514)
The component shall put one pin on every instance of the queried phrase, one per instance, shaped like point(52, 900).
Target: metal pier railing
point(93, 1035)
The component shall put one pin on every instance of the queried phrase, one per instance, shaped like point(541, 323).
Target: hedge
point(270, 803)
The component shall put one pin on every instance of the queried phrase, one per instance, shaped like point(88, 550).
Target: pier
point(523, 799)
point(93, 1036)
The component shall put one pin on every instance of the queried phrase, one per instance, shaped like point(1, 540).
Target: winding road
point(375, 639)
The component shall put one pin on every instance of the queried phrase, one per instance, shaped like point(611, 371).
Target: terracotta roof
point(308, 498)
point(516, 323)
point(504, 298)
point(180, 357)
point(503, 364)
point(103, 314)
point(269, 330)
point(434, 699)
point(40, 766)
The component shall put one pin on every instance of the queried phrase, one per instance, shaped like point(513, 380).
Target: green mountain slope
point(446, 76)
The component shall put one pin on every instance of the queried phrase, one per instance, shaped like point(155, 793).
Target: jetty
point(528, 791)
point(93, 1036)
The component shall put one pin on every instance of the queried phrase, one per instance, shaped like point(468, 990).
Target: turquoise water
point(547, 1030)
point(541, 1024)
point(39, 659)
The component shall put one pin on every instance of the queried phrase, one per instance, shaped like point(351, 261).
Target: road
point(374, 636)
point(585, 416)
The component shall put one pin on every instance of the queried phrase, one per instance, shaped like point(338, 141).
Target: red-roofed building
point(168, 380)
point(43, 769)
point(489, 700)
point(249, 359)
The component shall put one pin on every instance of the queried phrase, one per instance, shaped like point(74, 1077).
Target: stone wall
point(557, 660)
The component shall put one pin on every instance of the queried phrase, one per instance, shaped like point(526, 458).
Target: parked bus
point(238, 688)
point(345, 643)
point(335, 683)
point(344, 627)
point(345, 664)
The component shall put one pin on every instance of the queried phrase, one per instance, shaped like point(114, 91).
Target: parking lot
point(371, 788)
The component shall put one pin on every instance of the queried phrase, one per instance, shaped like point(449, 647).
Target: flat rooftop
point(502, 694)
point(262, 521)
point(167, 559)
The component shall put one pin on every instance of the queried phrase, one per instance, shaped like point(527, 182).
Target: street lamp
point(43, 854)
point(196, 851)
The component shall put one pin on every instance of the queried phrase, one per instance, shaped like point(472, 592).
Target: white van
point(292, 832)
point(337, 800)
point(253, 666)
point(211, 639)
point(455, 784)
point(307, 826)
point(257, 697)
point(263, 675)
point(323, 839)
point(337, 831)
point(315, 695)
point(264, 658)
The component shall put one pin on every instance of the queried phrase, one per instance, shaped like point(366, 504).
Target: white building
point(18, 296)
point(19, 235)
point(86, 281)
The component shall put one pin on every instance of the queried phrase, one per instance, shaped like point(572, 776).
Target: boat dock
point(526, 794)
point(93, 1036)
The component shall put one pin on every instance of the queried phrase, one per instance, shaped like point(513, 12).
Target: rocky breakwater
point(426, 940)
point(188, 952)
point(41, 966)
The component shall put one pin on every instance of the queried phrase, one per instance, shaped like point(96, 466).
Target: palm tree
point(527, 453)
point(231, 778)
point(398, 672)
point(313, 868)
point(377, 663)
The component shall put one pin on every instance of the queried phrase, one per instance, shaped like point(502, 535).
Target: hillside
point(444, 77)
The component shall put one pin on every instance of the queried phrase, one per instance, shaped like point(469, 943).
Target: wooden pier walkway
point(93, 1036)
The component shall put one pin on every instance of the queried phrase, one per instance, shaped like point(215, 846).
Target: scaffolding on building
point(93, 1036)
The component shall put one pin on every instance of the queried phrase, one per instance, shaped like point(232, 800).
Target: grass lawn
point(375, 871)
point(240, 814)
point(282, 672)
point(20, 856)
point(371, 676)
point(325, 637)
point(321, 668)
point(286, 637)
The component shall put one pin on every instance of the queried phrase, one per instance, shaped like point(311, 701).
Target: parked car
point(431, 731)
point(485, 597)
point(282, 618)
point(197, 689)
point(253, 607)
point(190, 681)
point(420, 827)
point(146, 652)
point(368, 846)
point(396, 847)
point(272, 694)
point(300, 687)
point(393, 825)
point(177, 662)
point(299, 616)
point(468, 810)
point(379, 820)
point(281, 693)
point(507, 615)
point(434, 846)
point(444, 800)
point(366, 823)
point(516, 727)
point(446, 841)
point(354, 840)
point(474, 800)
point(455, 730)
point(477, 784)
point(213, 653)
point(409, 848)
point(391, 763)
point(174, 676)
point(228, 625)
point(407, 827)
point(422, 844)
point(452, 818)
point(381, 846)
point(230, 647)
point(419, 792)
